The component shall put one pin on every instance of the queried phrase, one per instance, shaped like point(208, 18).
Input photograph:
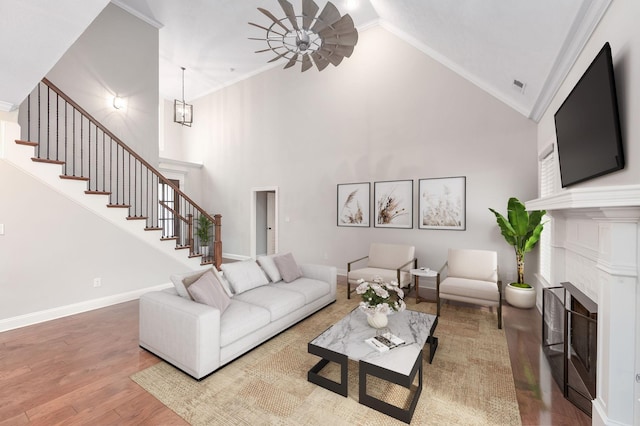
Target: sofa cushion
point(244, 276)
point(474, 289)
point(270, 268)
point(311, 289)
point(183, 280)
point(241, 319)
point(208, 290)
point(277, 301)
point(288, 267)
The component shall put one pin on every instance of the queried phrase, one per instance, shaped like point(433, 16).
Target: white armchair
point(472, 277)
point(391, 262)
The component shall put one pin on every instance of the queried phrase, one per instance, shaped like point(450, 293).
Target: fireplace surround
point(595, 237)
point(569, 341)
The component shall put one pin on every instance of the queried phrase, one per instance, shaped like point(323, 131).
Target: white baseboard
point(235, 256)
point(76, 308)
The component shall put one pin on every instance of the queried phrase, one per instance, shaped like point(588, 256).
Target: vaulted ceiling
point(518, 51)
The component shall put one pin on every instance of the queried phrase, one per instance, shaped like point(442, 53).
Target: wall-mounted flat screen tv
point(588, 125)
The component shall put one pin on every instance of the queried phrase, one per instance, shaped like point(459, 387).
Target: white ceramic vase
point(378, 320)
point(524, 298)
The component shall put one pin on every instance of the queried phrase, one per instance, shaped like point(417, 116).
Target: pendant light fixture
point(182, 111)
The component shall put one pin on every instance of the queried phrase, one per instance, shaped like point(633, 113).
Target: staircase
point(125, 189)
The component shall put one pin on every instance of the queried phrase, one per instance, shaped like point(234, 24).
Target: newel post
point(217, 241)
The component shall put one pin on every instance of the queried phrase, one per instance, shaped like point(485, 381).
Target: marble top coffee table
point(346, 340)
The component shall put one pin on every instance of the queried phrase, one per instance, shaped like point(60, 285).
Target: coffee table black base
point(397, 378)
point(341, 388)
point(433, 345)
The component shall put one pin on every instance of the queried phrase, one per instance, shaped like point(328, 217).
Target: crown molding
point(585, 23)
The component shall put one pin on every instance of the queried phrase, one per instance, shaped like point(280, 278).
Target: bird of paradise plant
point(522, 230)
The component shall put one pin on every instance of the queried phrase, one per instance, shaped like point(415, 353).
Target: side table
point(425, 273)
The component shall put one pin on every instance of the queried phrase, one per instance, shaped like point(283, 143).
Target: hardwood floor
point(76, 370)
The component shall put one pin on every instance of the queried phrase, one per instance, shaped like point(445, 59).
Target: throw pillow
point(183, 280)
point(288, 267)
point(244, 276)
point(208, 290)
point(225, 283)
point(269, 266)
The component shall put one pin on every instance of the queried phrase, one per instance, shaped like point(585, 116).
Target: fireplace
point(569, 341)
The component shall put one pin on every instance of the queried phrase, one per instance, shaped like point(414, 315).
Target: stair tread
point(137, 217)
point(118, 205)
point(89, 192)
point(28, 143)
point(45, 160)
point(70, 177)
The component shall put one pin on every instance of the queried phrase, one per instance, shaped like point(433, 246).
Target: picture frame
point(442, 203)
point(393, 204)
point(353, 204)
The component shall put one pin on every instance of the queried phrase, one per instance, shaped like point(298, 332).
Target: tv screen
point(588, 125)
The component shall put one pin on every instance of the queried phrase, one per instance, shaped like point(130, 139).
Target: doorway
point(264, 221)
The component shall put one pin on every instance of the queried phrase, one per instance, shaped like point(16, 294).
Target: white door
point(271, 222)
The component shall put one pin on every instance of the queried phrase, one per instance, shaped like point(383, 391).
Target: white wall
point(389, 112)
point(117, 54)
point(53, 248)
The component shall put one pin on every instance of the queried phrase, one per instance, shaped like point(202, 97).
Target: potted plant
point(521, 229)
point(203, 229)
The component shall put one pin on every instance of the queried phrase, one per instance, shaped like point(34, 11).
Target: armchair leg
point(500, 315)
point(348, 289)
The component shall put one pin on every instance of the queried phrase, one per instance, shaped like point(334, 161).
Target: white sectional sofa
point(198, 338)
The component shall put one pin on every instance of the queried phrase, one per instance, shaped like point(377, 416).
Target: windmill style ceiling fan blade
point(291, 14)
point(350, 39)
point(309, 10)
point(292, 61)
point(266, 29)
point(328, 16)
point(306, 63)
point(273, 18)
point(321, 39)
point(280, 55)
point(339, 50)
point(321, 63)
point(342, 26)
point(331, 57)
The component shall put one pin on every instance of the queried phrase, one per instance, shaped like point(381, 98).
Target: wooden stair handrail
point(117, 140)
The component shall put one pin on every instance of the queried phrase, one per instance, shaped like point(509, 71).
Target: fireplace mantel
point(601, 198)
point(595, 245)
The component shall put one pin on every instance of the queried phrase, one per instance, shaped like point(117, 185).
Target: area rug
point(469, 382)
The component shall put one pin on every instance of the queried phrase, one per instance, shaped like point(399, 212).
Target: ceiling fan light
point(309, 33)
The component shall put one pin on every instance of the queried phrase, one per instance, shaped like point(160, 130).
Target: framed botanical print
point(393, 204)
point(353, 204)
point(442, 203)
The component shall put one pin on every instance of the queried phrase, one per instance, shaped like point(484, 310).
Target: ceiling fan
point(326, 38)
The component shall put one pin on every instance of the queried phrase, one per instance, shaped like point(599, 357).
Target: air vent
point(519, 85)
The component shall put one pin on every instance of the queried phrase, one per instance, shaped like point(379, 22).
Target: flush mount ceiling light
point(326, 38)
point(182, 111)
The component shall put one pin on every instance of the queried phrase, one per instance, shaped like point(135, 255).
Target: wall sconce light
point(182, 111)
point(118, 102)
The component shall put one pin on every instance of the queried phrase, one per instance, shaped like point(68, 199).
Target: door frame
point(252, 217)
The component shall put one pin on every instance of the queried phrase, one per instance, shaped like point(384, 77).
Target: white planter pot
point(377, 320)
point(520, 297)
